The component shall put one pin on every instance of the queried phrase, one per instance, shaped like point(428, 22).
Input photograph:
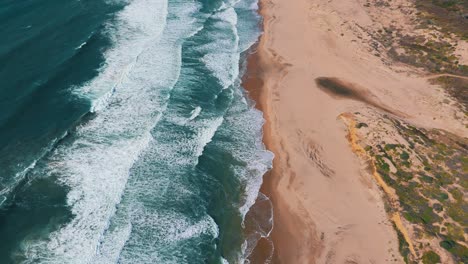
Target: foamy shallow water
point(170, 160)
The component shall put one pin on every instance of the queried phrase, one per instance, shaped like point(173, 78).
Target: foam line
point(130, 95)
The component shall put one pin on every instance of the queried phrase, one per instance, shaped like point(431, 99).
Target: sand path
point(446, 75)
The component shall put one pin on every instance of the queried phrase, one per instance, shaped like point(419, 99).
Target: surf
point(169, 159)
point(127, 102)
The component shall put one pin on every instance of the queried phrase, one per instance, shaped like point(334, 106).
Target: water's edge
point(166, 164)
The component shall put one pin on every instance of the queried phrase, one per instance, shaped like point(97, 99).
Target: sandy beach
point(328, 208)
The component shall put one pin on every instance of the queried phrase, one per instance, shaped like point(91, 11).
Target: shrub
point(431, 257)
point(359, 125)
point(447, 244)
point(404, 155)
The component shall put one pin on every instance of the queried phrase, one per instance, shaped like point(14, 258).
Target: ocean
point(125, 133)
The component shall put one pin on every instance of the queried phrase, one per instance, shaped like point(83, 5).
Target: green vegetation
point(404, 155)
point(403, 246)
point(434, 52)
point(434, 56)
point(450, 15)
point(431, 257)
point(430, 191)
point(429, 173)
point(456, 87)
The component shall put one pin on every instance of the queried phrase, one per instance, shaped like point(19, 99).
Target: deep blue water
point(125, 135)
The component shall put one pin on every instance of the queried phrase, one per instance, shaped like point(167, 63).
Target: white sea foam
point(251, 151)
point(19, 176)
point(195, 113)
point(247, 23)
point(260, 224)
point(81, 45)
point(205, 134)
point(248, 5)
point(223, 56)
point(156, 178)
point(258, 160)
point(139, 24)
point(129, 96)
point(167, 230)
point(156, 234)
point(184, 229)
point(110, 247)
point(245, 125)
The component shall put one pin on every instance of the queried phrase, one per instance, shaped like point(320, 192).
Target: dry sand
point(327, 207)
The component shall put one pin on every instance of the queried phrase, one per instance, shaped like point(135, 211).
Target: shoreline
point(259, 65)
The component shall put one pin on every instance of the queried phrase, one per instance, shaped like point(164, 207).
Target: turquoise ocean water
point(125, 134)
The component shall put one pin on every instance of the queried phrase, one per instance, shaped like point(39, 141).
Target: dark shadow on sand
point(344, 90)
